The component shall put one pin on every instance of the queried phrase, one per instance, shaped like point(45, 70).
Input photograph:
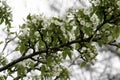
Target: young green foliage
point(44, 43)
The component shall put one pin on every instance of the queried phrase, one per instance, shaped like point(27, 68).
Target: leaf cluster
point(45, 43)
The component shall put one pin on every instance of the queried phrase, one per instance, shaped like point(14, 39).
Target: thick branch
point(20, 59)
point(55, 49)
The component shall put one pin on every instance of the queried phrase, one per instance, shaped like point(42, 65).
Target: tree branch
point(55, 49)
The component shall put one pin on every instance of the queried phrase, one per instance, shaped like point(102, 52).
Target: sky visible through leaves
point(21, 8)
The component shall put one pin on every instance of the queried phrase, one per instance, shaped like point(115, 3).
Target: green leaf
point(99, 13)
point(21, 70)
point(70, 55)
point(58, 19)
point(7, 22)
point(119, 45)
point(83, 64)
point(87, 57)
point(1, 42)
point(29, 17)
point(22, 49)
point(23, 26)
point(17, 48)
point(31, 65)
point(41, 44)
point(100, 43)
point(1, 21)
point(43, 69)
point(2, 78)
point(69, 28)
point(117, 31)
point(64, 54)
point(49, 61)
point(4, 62)
point(87, 30)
